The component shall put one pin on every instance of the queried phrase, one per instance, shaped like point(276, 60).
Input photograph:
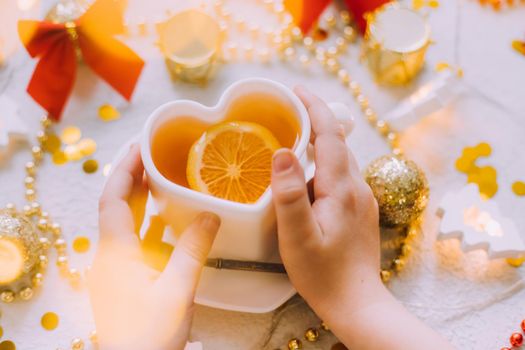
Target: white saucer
point(254, 292)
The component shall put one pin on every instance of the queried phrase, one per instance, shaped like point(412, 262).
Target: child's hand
point(136, 307)
point(330, 248)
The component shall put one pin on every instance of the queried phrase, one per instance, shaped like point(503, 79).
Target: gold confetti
point(87, 147)
point(1, 332)
point(49, 321)
point(418, 4)
point(7, 345)
point(106, 170)
point(90, 166)
point(518, 188)
point(52, 144)
point(59, 158)
point(433, 3)
point(108, 113)
point(81, 244)
point(71, 135)
point(483, 149)
point(73, 153)
point(519, 46)
point(516, 262)
point(441, 66)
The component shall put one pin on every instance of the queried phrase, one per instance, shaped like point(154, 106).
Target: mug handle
point(344, 116)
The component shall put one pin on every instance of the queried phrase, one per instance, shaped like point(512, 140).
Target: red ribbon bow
point(92, 37)
point(306, 12)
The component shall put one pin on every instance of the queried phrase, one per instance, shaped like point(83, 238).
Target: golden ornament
point(400, 188)
point(20, 248)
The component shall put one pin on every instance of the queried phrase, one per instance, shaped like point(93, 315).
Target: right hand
point(330, 248)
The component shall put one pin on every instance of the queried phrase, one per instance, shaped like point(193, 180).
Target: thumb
point(190, 253)
point(295, 220)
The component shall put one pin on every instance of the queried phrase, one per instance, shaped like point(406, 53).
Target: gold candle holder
point(396, 41)
point(191, 42)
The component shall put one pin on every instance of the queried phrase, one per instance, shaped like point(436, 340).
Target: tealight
point(396, 41)
point(190, 42)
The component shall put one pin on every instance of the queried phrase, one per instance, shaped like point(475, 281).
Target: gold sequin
point(52, 143)
point(71, 135)
point(87, 147)
point(81, 244)
point(59, 158)
point(518, 188)
point(108, 113)
point(90, 166)
point(73, 153)
point(49, 321)
point(7, 345)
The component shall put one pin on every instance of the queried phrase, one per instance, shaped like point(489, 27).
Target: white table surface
point(438, 276)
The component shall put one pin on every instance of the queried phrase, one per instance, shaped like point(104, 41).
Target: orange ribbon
point(307, 12)
point(92, 38)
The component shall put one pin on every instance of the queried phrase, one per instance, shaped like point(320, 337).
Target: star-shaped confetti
point(479, 224)
point(12, 128)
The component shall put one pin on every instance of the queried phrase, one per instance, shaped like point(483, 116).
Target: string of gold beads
point(51, 233)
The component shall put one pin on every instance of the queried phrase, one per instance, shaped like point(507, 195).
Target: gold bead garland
point(49, 233)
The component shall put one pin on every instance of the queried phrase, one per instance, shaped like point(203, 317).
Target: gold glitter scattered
point(49, 321)
point(106, 170)
point(73, 153)
point(81, 244)
point(518, 188)
point(108, 113)
point(7, 345)
point(90, 166)
point(87, 147)
point(59, 158)
point(71, 135)
point(52, 143)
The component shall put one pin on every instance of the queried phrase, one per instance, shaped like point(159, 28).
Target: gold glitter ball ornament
point(400, 188)
point(20, 248)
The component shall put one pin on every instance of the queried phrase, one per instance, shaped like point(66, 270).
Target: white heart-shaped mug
point(248, 231)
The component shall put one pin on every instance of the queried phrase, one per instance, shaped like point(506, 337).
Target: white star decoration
point(479, 225)
point(11, 126)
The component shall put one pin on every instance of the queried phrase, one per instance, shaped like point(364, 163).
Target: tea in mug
point(232, 158)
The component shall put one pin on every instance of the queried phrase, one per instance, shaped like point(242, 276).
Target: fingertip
point(209, 222)
point(283, 160)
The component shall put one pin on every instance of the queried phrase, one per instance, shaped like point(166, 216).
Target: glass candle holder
point(190, 42)
point(396, 41)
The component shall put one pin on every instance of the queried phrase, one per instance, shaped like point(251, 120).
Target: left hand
point(136, 307)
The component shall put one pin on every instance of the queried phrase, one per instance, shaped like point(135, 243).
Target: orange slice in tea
point(232, 160)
